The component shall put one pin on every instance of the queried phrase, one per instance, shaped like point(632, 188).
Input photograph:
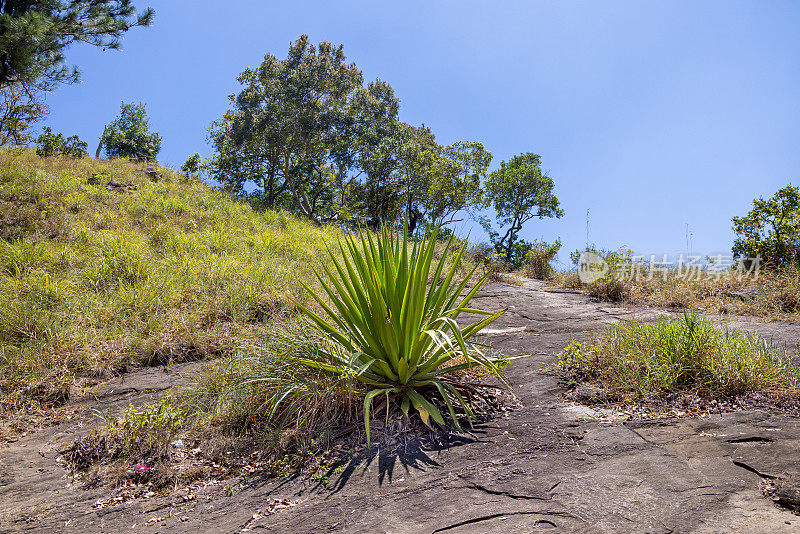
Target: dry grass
point(774, 294)
point(262, 391)
point(257, 403)
point(538, 260)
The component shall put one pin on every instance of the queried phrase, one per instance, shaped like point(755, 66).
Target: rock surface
point(549, 465)
point(152, 173)
point(120, 187)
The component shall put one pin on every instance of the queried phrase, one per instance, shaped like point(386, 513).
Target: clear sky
point(649, 114)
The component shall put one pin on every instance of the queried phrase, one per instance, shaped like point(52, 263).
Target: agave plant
point(394, 331)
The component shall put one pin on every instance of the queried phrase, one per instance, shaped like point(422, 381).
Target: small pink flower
point(142, 468)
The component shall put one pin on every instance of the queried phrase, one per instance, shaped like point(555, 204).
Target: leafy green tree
point(460, 171)
point(771, 229)
point(129, 135)
point(519, 191)
point(50, 144)
point(312, 138)
point(20, 108)
point(35, 33)
point(418, 153)
point(192, 165)
point(303, 129)
point(439, 182)
point(381, 194)
point(239, 161)
point(375, 154)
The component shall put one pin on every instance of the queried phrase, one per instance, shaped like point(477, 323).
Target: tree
point(302, 129)
point(129, 135)
point(410, 176)
point(381, 194)
point(312, 138)
point(519, 192)
point(418, 153)
point(50, 144)
point(20, 108)
point(771, 230)
point(34, 35)
point(192, 165)
point(459, 172)
point(235, 161)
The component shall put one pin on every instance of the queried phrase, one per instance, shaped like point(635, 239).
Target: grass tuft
point(774, 294)
point(263, 391)
point(684, 355)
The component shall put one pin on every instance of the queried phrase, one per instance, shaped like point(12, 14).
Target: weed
point(538, 259)
point(773, 294)
point(146, 432)
point(263, 390)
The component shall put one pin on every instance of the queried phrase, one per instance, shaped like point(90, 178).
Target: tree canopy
point(34, 35)
point(298, 127)
point(55, 144)
point(312, 137)
point(20, 109)
point(129, 135)
point(519, 191)
point(771, 229)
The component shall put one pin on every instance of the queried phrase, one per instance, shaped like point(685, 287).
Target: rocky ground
point(550, 464)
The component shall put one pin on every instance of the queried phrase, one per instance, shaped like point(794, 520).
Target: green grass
point(262, 392)
point(689, 354)
point(92, 279)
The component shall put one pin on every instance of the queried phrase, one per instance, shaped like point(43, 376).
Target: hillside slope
point(101, 266)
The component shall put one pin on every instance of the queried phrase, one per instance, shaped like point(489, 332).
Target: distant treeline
point(306, 134)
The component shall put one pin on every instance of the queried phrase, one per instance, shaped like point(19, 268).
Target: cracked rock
point(788, 493)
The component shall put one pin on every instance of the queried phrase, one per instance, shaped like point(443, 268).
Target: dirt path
point(548, 465)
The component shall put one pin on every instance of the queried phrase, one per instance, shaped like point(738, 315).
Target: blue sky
point(649, 114)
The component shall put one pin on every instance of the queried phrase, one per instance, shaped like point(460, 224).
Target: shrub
point(191, 167)
point(611, 285)
point(129, 135)
point(770, 292)
point(49, 144)
point(771, 230)
point(538, 258)
point(566, 280)
point(686, 355)
point(394, 333)
point(485, 256)
point(481, 252)
point(135, 435)
point(781, 289)
point(608, 288)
